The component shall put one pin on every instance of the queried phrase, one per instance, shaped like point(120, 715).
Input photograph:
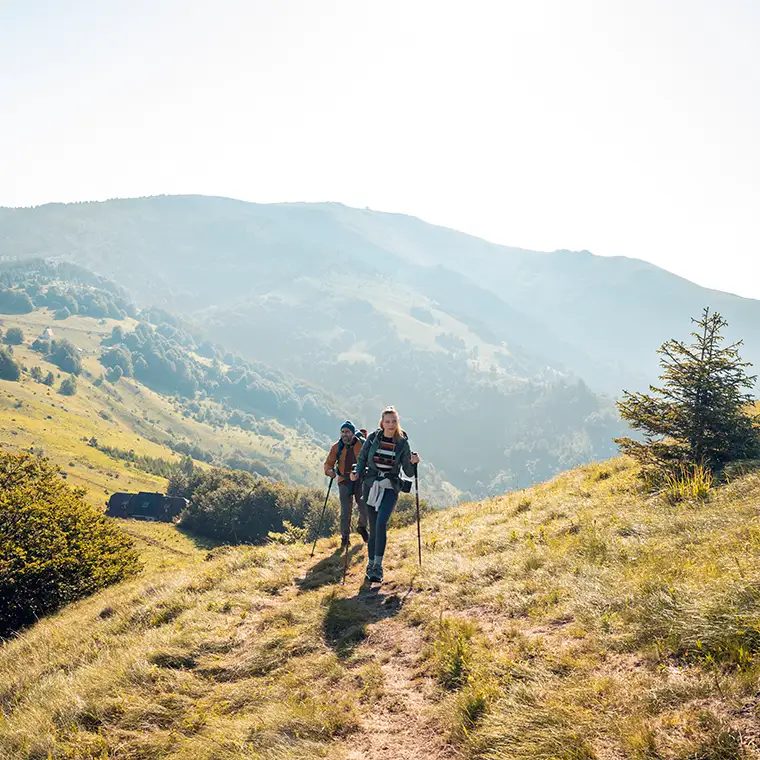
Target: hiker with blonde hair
point(383, 457)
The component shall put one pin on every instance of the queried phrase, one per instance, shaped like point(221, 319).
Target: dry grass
point(595, 623)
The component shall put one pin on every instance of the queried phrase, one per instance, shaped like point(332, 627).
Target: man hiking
point(340, 461)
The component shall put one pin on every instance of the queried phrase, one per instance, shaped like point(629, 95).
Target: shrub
point(235, 506)
point(36, 373)
point(406, 510)
point(41, 346)
point(54, 547)
point(15, 302)
point(9, 370)
point(64, 355)
point(69, 386)
point(14, 336)
point(49, 379)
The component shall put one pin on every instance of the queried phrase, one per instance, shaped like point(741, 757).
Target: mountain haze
point(501, 349)
point(598, 317)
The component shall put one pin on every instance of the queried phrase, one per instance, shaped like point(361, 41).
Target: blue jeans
point(378, 523)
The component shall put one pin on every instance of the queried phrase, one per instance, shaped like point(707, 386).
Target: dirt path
point(401, 722)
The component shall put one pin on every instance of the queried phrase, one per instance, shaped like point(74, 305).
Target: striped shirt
point(385, 454)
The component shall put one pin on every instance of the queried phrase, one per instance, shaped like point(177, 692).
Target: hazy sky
point(626, 127)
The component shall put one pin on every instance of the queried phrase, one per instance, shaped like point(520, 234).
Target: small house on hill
point(47, 334)
point(154, 507)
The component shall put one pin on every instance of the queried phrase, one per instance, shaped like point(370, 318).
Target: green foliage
point(54, 547)
point(699, 415)
point(61, 314)
point(49, 379)
point(9, 369)
point(154, 465)
point(36, 373)
point(235, 506)
point(14, 336)
point(118, 356)
point(65, 355)
point(406, 510)
point(69, 386)
point(41, 346)
point(15, 302)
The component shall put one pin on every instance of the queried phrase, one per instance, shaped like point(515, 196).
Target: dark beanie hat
point(350, 425)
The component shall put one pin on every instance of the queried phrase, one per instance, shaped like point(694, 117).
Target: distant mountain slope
point(472, 341)
point(595, 316)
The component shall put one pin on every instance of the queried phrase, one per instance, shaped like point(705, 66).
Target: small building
point(145, 505)
point(47, 334)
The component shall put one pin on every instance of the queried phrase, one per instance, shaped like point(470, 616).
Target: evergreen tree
point(700, 414)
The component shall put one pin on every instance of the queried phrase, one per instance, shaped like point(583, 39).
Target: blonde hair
point(391, 410)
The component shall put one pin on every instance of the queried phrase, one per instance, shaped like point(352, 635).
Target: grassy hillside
point(125, 415)
point(579, 619)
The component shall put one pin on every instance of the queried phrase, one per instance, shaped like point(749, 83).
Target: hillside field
point(581, 619)
point(126, 416)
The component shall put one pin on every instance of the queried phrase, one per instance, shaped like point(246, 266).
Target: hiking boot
point(376, 574)
point(344, 542)
point(364, 533)
point(370, 573)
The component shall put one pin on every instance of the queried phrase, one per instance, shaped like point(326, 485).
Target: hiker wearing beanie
point(340, 462)
point(385, 453)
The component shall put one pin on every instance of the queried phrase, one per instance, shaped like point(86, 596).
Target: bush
point(61, 314)
point(235, 506)
point(54, 547)
point(64, 355)
point(14, 336)
point(69, 386)
point(406, 510)
point(15, 302)
point(36, 373)
point(49, 379)
point(41, 346)
point(9, 370)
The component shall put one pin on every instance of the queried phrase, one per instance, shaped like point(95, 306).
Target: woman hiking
point(384, 454)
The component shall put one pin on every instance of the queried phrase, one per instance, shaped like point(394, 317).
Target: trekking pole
point(417, 496)
point(321, 517)
point(348, 544)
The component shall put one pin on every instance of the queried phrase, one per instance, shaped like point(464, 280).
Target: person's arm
point(361, 460)
point(406, 459)
point(332, 458)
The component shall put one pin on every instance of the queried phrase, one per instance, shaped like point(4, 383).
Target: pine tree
point(700, 414)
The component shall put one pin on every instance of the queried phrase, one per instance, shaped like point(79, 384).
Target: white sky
point(626, 127)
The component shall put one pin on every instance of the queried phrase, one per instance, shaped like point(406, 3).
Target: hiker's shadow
point(347, 619)
point(327, 571)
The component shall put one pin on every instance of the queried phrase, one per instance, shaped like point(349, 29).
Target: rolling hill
point(90, 435)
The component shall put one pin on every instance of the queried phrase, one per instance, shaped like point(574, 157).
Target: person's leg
point(345, 491)
point(372, 519)
point(361, 507)
point(387, 505)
